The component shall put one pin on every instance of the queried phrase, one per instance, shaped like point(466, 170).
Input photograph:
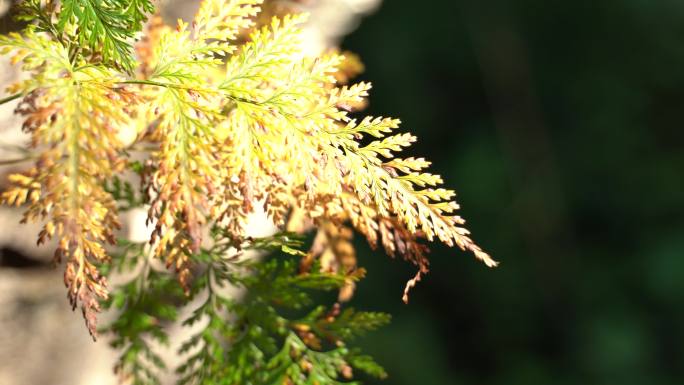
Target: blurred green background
point(558, 124)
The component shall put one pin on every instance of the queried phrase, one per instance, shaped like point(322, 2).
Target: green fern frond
point(222, 349)
point(106, 27)
point(144, 304)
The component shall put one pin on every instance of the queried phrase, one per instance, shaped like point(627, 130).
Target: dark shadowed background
point(558, 124)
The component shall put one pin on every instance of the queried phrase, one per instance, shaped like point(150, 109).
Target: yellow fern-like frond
point(298, 124)
point(39, 55)
point(267, 57)
point(402, 191)
point(188, 184)
point(222, 20)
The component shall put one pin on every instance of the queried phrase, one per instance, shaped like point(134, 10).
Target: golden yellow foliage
point(236, 125)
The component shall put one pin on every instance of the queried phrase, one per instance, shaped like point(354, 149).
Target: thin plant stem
point(10, 98)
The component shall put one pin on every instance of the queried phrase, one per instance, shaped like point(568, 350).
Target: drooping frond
point(398, 187)
point(187, 175)
point(73, 123)
point(185, 178)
